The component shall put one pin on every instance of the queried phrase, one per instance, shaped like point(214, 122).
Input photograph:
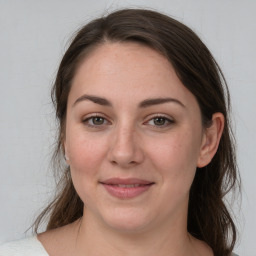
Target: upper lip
point(129, 181)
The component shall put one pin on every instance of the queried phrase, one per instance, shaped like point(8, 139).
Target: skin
point(126, 140)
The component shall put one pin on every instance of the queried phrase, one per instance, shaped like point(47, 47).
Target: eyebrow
point(152, 102)
point(145, 103)
point(95, 99)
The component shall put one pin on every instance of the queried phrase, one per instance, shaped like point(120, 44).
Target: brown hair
point(208, 217)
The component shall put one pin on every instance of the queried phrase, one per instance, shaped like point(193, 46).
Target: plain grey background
point(34, 36)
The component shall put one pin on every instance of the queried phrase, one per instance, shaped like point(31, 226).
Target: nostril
point(129, 163)
point(125, 153)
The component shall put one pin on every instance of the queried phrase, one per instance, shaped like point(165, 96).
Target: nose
point(125, 149)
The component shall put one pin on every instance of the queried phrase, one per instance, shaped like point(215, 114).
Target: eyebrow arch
point(95, 99)
point(151, 102)
point(143, 104)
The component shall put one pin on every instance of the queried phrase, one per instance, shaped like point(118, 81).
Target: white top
point(24, 247)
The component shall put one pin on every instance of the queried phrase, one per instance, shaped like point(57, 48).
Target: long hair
point(208, 217)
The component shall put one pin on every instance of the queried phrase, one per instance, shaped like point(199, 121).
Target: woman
point(144, 131)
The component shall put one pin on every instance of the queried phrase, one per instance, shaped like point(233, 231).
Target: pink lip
point(129, 181)
point(111, 185)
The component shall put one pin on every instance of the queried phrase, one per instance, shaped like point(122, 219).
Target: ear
point(66, 154)
point(211, 140)
point(65, 150)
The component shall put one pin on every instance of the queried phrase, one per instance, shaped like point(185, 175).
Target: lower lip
point(126, 193)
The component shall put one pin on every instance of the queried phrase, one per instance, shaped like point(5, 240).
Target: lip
point(129, 181)
point(122, 192)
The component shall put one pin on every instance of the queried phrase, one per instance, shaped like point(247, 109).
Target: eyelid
point(152, 116)
point(86, 119)
point(169, 119)
point(95, 114)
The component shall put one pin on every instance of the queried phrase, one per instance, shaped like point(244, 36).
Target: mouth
point(126, 185)
point(126, 188)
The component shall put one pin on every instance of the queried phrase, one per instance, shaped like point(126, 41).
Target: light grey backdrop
point(34, 36)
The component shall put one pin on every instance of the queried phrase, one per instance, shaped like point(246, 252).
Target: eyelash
point(90, 118)
point(167, 121)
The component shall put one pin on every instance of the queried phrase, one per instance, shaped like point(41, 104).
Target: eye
point(160, 121)
point(95, 121)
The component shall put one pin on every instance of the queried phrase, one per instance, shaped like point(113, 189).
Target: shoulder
point(60, 241)
point(24, 247)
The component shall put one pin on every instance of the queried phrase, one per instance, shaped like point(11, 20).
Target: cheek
point(86, 158)
point(176, 157)
point(86, 153)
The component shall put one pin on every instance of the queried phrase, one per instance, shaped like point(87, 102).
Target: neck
point(168, 239)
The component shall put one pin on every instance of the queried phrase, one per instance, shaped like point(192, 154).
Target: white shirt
point(24, 247)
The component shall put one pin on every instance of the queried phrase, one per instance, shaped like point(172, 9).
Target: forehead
point(127, 70)
point(114, 58)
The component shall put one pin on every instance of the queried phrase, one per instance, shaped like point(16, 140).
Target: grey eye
point(159, 121)
point(97, 120)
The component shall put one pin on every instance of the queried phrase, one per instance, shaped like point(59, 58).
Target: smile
point(126, 188)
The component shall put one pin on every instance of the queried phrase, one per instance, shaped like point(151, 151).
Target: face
point(133, 138)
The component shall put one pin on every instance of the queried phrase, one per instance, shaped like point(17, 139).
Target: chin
point(127, 220)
